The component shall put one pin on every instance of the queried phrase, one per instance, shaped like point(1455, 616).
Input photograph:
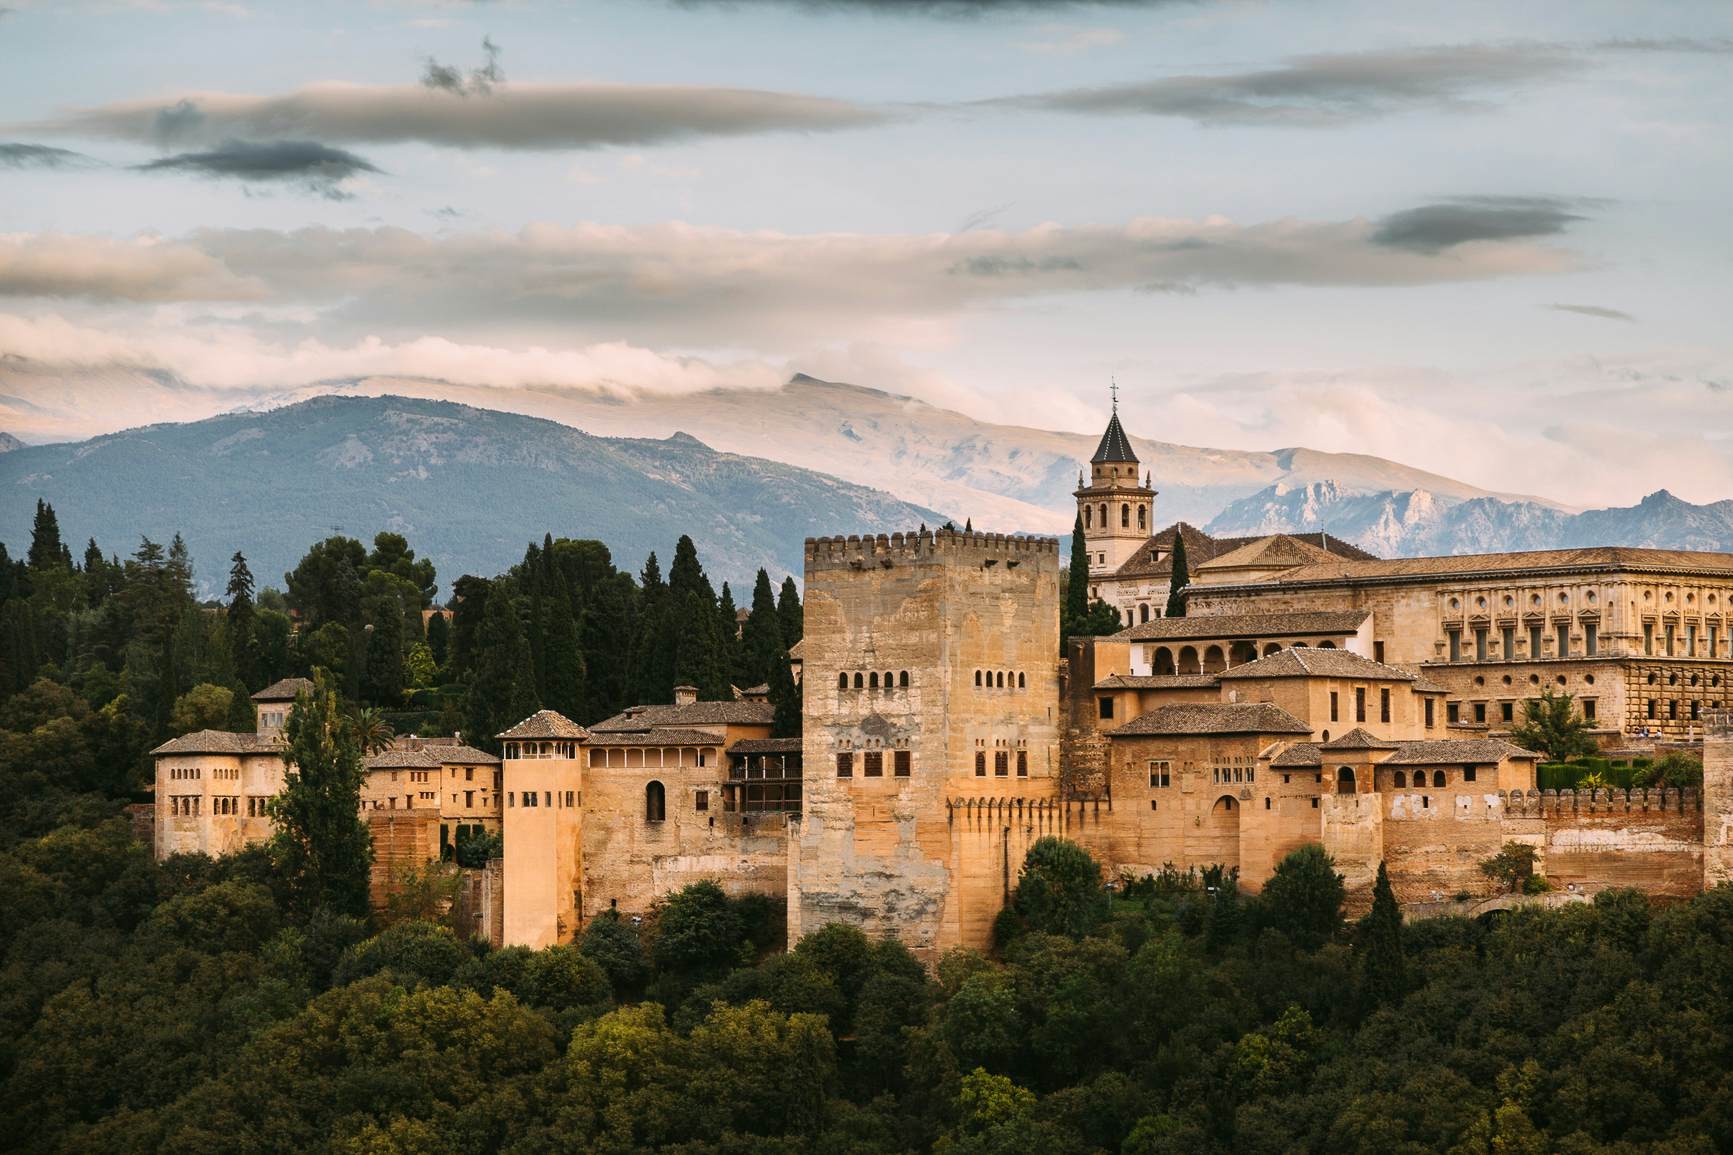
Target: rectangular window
point(1428, 713)
point(1564, 639)
point(1453, 712)
point(1673, 709)
point(1591, 638)
point(1507, 711)
point(1651, 707)
point(845, 765)
point(1534, 641)
point(1359, 703)
point(1384, 705)
point(1589, 709)
point(1001, 763)
point(1691, 640)
point(900, 763)
point(1022, 763)
point(1468, 774)
point(1333, 710)
point(1507, 643)
point(1314, 803)
point(1670, 632)
point(874, 764)
point(568, 802)
point(1160, 774)
point(1714, 641)
point(1377, 656)
point(1455, 637)
point(980, 763)
point(1648, 637)
point(1480, 713)
point(701, 800)
point(1106, 706)
point(469, 798)
point(1480, 643)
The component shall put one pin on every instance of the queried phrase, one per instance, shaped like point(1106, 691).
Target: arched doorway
point(1163, 663)
point(1188, 663)
point(1213, 660)
point(655, 802)
point(1242, 652)
point(1345, 780)
point(1219, 834)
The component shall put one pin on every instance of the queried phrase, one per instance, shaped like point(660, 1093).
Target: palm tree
point(373, 730)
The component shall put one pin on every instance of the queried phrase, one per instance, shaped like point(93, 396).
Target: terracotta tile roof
point(1444, 751)
point(1214, 718)
point(1331, 622)
point(1331, 545)
point(1316, 662)
point(1425, 685)
point(1158, 682)
point(733, 713)
point(219, 742)
point(1357, 739)
point(417, 759)
point(1597, 559)
point(1277, 550)
point(1301, 755)
point(797, 650)
point(1199, 546)
point(455, 754)
point(1115, 446)
point(766, 746)
point(662, 736)
point(285, 690)
point(546, 724)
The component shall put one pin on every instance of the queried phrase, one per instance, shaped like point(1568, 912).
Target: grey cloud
point(315, 166)
point(1322, 90)
point(478, 82)
point(1435, 227)
point(517, 116)
point(17, 154)
point(1600, 311)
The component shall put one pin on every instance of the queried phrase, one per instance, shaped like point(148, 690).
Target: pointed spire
point(1115, 446)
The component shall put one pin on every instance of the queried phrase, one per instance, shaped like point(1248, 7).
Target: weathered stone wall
point(1718, 798)
point(974, 621)
point(246, 779)
point(402, 841)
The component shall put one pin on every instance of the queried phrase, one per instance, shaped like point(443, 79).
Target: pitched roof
point(798, 650)
point(1214, 718)
point(1337, 546)
point(220, 742)
point(1276, 551)
point(1158, 682)
point(1115, 446)
point(731, 713)
point(420, 758)
point(662, 736)
point(453, 753)
point(766, 746)
point(1455, 750)
point(1299, 755)
point(1596, 559)
point(1331, 622)
point(546, 724)
point(284, 690)
point(1198, 545)
point(1358, 738)
point(1317, 662)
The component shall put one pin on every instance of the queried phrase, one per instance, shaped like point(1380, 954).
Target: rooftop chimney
point(685, 695)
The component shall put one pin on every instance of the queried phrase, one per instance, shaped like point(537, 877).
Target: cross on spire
point(1113, 388)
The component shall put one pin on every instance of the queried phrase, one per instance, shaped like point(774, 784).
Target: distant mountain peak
point(8, 443)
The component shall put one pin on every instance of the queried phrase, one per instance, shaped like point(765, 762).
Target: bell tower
point(1118, 513)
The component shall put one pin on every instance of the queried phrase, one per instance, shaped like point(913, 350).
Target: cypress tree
point(563, 660)
point(652, 654)
point(439, 639)
point(728, 640)
point(762, 637)
point(502, 692)
point(1180, 579)
point(1076, 608)
point(1384, 971)
point(788, 609)
point(321, 848)
point(47, 551)
point(785, 696)
point(243, 639)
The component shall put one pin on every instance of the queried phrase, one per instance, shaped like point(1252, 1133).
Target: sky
point(1486, 239)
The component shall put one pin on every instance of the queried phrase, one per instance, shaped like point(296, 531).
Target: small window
point(1106, 707)
point(1428, 708)
point(1021, 683)
point(655, 802)
point(1384, 704)
point(1314, 803)
point(1359, 703)
point(873, 680)
point(1507, 711)
point(977, 679)
point(1438, 779)
point(1001, 763)
point(1480, 713)
point(1589, 709)
point(1453, 712)
point(859, 682)
point(841, 684)
point(900, 760)
point(980, 763)
point(1001, 679)
point(874, 764)
point(701, 800)
point(1335, 715)
point(1152, 804)
point(1266, 802)
point(1399, 780)
point(1468, 774)
point(1022, 763)
point(845, 764)
point(903, 680)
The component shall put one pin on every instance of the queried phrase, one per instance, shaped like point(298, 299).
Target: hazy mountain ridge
point(469, 487)
point(1418, 522)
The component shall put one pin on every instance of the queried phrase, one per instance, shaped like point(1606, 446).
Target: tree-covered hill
point(470, 486)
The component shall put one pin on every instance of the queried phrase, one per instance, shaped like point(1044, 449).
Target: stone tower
point(1117, 512)
point(930, 744)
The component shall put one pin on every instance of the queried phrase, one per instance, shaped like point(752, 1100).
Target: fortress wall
point(402, 840)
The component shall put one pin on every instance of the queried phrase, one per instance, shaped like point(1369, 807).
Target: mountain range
point(468, 487)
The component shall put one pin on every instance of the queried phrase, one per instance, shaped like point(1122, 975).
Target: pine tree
point(788, 609)
point(1384, 973)
point(762, 637)
point(1076, 609)
point(321, 848)
point(502, 693)
point(785, 697)
point(243, 638)
point(1180, 579)
point(47, 551)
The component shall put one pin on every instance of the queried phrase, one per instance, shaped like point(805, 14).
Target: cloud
point(144, 269)
point(951, 8)
point(1435, 227)
point(1069, 40)
point(16, 154)
point(518, 116)
point(480, 81)
point(1600, 311)
point(1324, 89)
point(318, 167)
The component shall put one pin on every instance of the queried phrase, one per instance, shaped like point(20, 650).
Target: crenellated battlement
point(1600, 800)
point(926, 545)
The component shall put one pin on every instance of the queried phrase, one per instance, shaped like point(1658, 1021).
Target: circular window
point(1690, 599)
point(1711, 599)
point(1480, 603)
point(1507, 679)
point(1454, 604)
point(1669, 595)
point(1589, 678)
point(1653, 678)
point(1693, 679)
point(1534, 679)
point(1648, 595)
point(1508, 600)
point(1561, 679)
point(1479, 681)
point(1672, 679)
point(1591, 596)
point(1715, 681)
point(1534, 600)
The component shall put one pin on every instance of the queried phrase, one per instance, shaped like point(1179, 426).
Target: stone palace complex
point(1312, 693)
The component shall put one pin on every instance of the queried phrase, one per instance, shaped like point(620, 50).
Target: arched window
point(1163, 663)
point(1088, 517)
point(1326, 645)
point(859, 682)
point(1103, 515)
point(655, 802)
point(1125, 515)
point(1143, 612)
point(887, 679)
point(1400, 780)
point(842, 681)
point(903, 679)
point(1345, 780)
point(873, 680)
point(1021, 684)
point(977, 679)
point(1142, 516)
point(1001, 679)
point(1438, 779)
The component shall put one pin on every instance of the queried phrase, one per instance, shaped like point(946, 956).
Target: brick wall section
point(401, 840)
